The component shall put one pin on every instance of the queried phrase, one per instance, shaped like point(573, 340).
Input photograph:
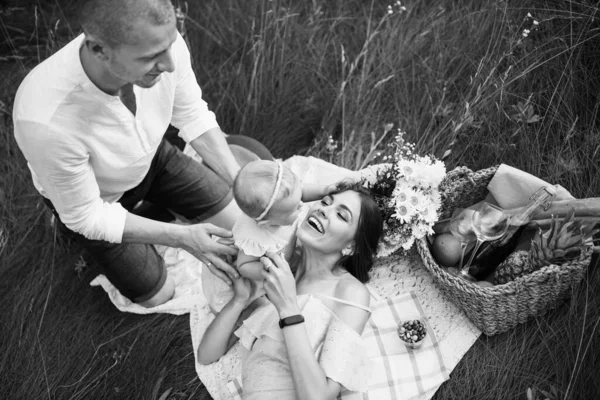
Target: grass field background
point(477, 83)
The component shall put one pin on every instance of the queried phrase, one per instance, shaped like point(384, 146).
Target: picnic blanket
point(396, 281)
point(397, 372)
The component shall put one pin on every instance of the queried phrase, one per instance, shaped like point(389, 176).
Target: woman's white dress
point(340, 351)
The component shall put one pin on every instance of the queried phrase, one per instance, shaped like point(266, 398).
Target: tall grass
point(325, 78)
point(450, 74)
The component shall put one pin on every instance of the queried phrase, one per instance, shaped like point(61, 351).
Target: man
point(90, 121)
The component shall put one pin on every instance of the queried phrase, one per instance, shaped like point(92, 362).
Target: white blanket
point(391, 276)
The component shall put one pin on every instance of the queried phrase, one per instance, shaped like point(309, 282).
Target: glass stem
point(463, 248)
point(465, 269)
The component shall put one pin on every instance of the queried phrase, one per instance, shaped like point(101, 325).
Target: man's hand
point(201, 245)
point(195, 239)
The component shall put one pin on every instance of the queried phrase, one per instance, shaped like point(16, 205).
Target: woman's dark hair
point(368, 232)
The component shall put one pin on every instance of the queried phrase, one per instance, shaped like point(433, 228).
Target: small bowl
point(412, 332)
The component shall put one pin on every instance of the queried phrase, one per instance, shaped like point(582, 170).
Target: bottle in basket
point(494, 252)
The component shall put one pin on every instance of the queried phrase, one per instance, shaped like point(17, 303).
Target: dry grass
point(324, 78)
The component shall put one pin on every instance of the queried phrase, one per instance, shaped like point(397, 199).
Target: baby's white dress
point(255, 240)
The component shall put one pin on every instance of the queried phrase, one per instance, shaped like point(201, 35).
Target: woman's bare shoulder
point(351, 289)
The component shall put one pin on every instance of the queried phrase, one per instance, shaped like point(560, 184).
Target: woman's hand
point(280, 284)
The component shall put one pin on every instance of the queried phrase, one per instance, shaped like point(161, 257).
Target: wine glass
point(490, 222)
point(461, 227)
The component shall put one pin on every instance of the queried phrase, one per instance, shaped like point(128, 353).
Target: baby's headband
point(275, 192)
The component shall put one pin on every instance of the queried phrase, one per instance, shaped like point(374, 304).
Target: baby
point(271, 196)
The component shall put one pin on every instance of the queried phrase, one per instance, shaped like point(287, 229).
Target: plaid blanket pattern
point(398, 372)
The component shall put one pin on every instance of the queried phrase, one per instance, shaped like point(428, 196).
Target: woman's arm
point(309, 378)
point(219, 336)
point(313, 192)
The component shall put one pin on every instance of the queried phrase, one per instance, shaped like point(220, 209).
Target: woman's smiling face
point(331, 223)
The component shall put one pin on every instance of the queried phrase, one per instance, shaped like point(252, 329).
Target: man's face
point(146, 56)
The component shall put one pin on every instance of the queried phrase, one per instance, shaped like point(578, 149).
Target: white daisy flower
point(419, 200)
point(429, 215)
point(404, 212)
point(401, 192)
point(407, 169)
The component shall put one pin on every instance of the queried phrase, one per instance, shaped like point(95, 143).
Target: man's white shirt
point(84, 148)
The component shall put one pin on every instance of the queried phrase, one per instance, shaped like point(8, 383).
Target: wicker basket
point(497, 309)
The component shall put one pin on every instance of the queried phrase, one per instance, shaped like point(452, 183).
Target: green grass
point(457, 76)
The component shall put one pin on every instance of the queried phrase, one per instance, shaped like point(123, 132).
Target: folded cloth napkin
point(511, 187)
point(398, 372)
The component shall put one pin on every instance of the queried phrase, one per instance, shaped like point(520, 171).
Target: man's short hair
point(113, 20)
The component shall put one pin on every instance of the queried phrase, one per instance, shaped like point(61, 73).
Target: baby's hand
point(242, 290)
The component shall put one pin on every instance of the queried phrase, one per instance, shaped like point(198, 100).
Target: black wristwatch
point(291, 320)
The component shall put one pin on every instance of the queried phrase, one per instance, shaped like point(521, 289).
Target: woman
point(306, 342)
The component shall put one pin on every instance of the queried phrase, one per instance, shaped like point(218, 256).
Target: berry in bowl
point(412, 333)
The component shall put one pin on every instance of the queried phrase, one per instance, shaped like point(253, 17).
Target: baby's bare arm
point(249, 266)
